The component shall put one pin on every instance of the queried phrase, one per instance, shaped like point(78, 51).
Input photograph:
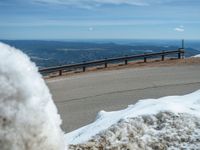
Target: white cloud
point(90, 28)
point(180, 28)
point(89, 4)
point(93, 23)
point(94, 3)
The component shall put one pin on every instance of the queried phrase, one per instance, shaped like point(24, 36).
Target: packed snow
point(162, 131)
point(28, 116)
point(196, 56)
point(145, 125)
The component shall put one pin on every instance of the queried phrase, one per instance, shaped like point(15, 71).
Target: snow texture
point(149, 124)
point(148, 132)
point(28, 116)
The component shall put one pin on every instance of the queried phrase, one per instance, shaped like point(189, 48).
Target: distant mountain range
point(54, 53)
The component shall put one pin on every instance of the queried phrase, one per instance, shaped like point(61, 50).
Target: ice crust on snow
point(187, 105)
point(28, 116)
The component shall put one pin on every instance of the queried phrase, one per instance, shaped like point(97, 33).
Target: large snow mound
point(143, 123)
point(28, 116)
point(149, 132)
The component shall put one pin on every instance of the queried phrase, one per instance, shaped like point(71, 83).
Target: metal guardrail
point(105, 62)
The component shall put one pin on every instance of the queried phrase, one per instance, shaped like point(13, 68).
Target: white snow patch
point(189, 104)
point(28, 116)
point(196, 56)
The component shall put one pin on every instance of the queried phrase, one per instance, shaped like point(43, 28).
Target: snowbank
point(142, 122)
point(196, 56)
point(28, 116)
point(148, 132)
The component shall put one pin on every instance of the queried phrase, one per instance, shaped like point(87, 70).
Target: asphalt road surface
point(79, 98)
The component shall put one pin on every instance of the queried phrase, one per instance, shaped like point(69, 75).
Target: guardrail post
point(84, 68)
point(179, 54)
point(126, 62)
point(163, 56)
point(183, 53)
point(145, 59)
point(106, 64)
point(60, 72)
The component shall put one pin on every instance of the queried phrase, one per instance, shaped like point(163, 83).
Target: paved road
point(80, 97)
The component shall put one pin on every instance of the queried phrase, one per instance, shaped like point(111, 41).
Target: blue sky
point(99, 19)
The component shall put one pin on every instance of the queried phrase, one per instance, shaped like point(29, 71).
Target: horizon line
point(77, 39)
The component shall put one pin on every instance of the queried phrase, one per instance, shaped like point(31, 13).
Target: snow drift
point(167, 123)
point(28, 116)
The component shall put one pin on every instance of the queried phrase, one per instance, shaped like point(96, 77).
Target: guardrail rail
point(180, 54)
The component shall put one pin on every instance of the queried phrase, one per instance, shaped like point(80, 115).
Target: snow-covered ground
point(165, 123)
